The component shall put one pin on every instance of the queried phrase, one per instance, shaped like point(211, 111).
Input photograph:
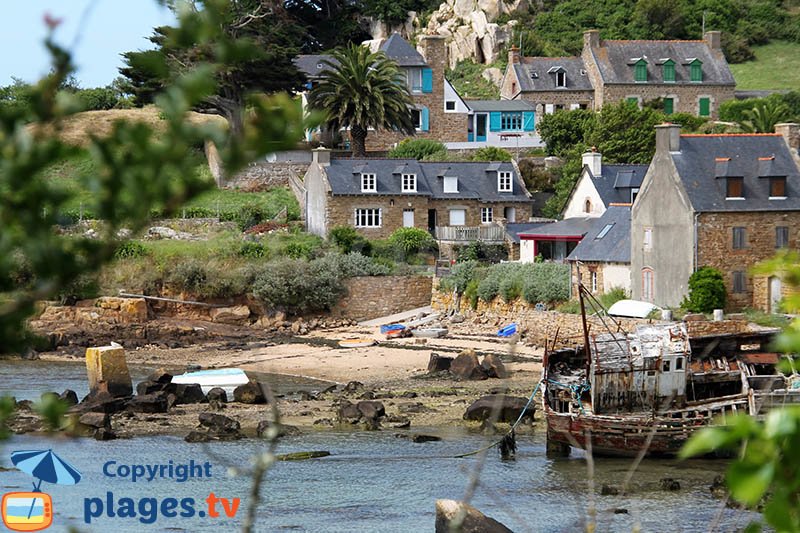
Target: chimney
point(591, 39)
point(594, 160)
point(433, 49)
point(513, 55)
point(714, 39)
point(321, 156)
point(668, 138)
point(791, 134)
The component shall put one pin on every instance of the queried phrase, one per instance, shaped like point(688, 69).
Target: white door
point(458, 217)
point(774, 294)
point(408, 218)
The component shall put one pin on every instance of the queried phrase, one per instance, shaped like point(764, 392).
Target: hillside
point(776, 66)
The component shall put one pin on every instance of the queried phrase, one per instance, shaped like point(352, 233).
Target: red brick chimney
point(513, 55)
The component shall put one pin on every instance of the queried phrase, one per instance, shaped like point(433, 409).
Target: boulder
point(189, 393)
point(467, 366)
point(100, 403)
point(106, 364)
point(249, 393)
point(494, 75)
point(219, 423)
point(669, 484)
point(494, 366)
point(353, 387)
point(160, 376)
point(609, 490)
point(95, 420)
point(235, 315)
point(104, 434)
point(149, 403)
point(149, 387)
point(198, 436)
point(371, 409)
point(508, 408)
point(217, 395)
point(69, 397)
point(348, 412)
point(438, 363)
point(418, 437)
point(283, 430)
point(473, 520)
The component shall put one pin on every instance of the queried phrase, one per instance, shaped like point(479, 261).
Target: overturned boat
point(648, 390)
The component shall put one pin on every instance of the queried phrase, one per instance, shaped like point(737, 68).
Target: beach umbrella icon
point(45, 466)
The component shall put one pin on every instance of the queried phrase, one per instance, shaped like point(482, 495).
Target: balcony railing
point(492, 233)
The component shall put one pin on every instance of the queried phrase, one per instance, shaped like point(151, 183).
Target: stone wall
point(715, 238)
point(376, 296)
point(261, 176)
point(686, 98)
point(341, 212)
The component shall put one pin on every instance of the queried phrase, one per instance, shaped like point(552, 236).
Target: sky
point(95, 31)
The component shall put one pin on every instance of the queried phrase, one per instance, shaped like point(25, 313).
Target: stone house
point(508, 124)
point(725, 201)
point(690, 76)
point(455, 202)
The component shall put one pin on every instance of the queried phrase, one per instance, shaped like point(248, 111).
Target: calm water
point(371, 482)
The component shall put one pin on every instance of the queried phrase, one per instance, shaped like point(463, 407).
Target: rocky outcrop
point(451, 513)
point(507, 408)
point(467, 366)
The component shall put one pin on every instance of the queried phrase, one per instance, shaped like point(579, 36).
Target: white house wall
point(526, 251)
point(617, 275)
point(585, 189)
point(450, 94)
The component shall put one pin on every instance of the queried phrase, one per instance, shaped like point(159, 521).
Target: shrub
point(460, 275)
point(253, 250)
point(188, 276)
point(85, 286)
point(101, 99)
point(510, 289)
point(491, 153)
point(471, 293)
point(347, 239)
point(298, 286)
point(249, 215)
point(299, 250)
point(130, 250)
point(488, 288)
point(546, 282)
point(412, 240)
point(706, 291)
point(480, 251)
point(416, 149)
point(351, 265)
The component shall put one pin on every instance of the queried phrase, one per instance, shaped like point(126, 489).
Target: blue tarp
point(507, 331)
point(391, 327)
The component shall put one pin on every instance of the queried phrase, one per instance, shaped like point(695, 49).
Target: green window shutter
point(427, 80)
point(495, 121)
point(668, 106)
point(669, 71)
point(705, 107)
point(696, 71)
point(640, 71)
point(425, 119)
point(528, 121)
point(633, 100)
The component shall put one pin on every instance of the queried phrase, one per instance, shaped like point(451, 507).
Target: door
point(432, 221)
point(510, 214)
point(774, 294)
point(408, 218)
point(480, 127)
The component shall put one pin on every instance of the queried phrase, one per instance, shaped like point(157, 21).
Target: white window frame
point(414, 75)
point(505, 181)
point(368, 217)
point(487, 215)
point(648, 239)
point(594, 281)
point(369, 182)
point(417, 114)
point(450, 216)
point(648, 284)
point(561, 79)
point(634, 194)
point(452, 181)
point(409, 183)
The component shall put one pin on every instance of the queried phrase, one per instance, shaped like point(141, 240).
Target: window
point(648, 239)
point(777, 188)
point(669, 106)
point(648, 283)
point(511, 120)
point(734, 188)
point(368, 183)
point(368, 218)
point(738, 238)
point(504, 181)
point(640, 71)
point(739, 282)
point(458, 217)
point(594, 280)
point(634, 193)
point(782, 237)
point(450, 105)
point(696, 71)
point(415, 79)
point(665, 366)
point(678, 363)
point(416, 118)
point(587, 206)
point(604, 231)
point(409, 183)
point(668, 70)
point(486, 215)
point(450, 184)
point(561, 79)
point(704, 105)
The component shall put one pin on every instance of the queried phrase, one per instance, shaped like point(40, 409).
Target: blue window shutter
point(495, 121)
point(425, 118)
point(527, 120)
point(427, 80)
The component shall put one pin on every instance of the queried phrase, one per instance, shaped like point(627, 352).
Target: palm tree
point(763, 117)
point(361, 90)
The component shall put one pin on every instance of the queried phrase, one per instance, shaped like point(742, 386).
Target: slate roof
point(572, 227)
point(615, 59)
point(614, 246)
point(702, 158)
point(499, 105)
point(616, 182)
point(475, 180)
point(402, 52)
point(534, 74)
point(312, 64)
point(515, 228)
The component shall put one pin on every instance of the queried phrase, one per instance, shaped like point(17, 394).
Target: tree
point(361, 90)
point(564, 129)
point(706, 291)
point(624, 133)
point(417, 149)
point(764, 115)
point(267, 40)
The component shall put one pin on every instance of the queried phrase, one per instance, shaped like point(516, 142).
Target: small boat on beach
point(224, 378)
point(429, 333)
point(357, 343)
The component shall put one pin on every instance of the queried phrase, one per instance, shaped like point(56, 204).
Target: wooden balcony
point(490, 233)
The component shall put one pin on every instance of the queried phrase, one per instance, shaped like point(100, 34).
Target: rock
point(250, 393)
point(189, 393)
point(69, 397)
point(126, 310)
point(466, 366)
point(609, 490)
point(457, 319)
point(160, 376)
point(398, 421)
point(197, 436)
point(439, 363)
point(669, 484)
point(411, 407)
point(418, 437)
point(236, 315)
point(104, 434)
point(508, 408)
point(494, 366)
point(348, 412)
point(107, 364)
point(149, 403)
point(371, 409)
point(217, 395)
point(95, 420)
point(409, 394)
point(283, 430)
point(694, 317)
point(302, 456)
point(100, 403)
point(353, 387)
point(219, 423)
point(474, 521)
point(24, 405)
point(149, 387)
point(161, 232)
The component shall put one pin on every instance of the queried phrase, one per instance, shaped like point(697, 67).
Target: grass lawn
point(777, 66)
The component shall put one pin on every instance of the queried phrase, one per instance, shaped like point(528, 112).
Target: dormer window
point(368, 183)
point(734, 189)
point(504, 182)
point(640, 71)
point(634, 194)
point(450, 184)
point(561, 79)
point(668, 70)
point(409, 183)
point(696, 71)
point(777, 188)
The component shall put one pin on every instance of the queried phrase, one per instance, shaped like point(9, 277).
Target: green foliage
point(536, 178)
point(483, 252)
point(764, 115)
point(347, 239)
point(460, 276)
point(83, 287)
point(249, 215)
point(418, 149)
point(491, 153)
point(706, 291)
point(536, 282)
point(351, 265)
point(130, 249)
point(606, 299)
point(7, 406)
point(568, 174)
point(298, 286)
point(624, 133)
point(471, 293)
point(562, 130)
point(689, 123)
point(776, 66)
point(467, 79)
point(253, 250)
point(101, 98)
point(51, 409)
point(395, 12)
point(412, 240)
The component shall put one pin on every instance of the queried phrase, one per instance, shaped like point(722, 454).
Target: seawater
point(375, 481)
